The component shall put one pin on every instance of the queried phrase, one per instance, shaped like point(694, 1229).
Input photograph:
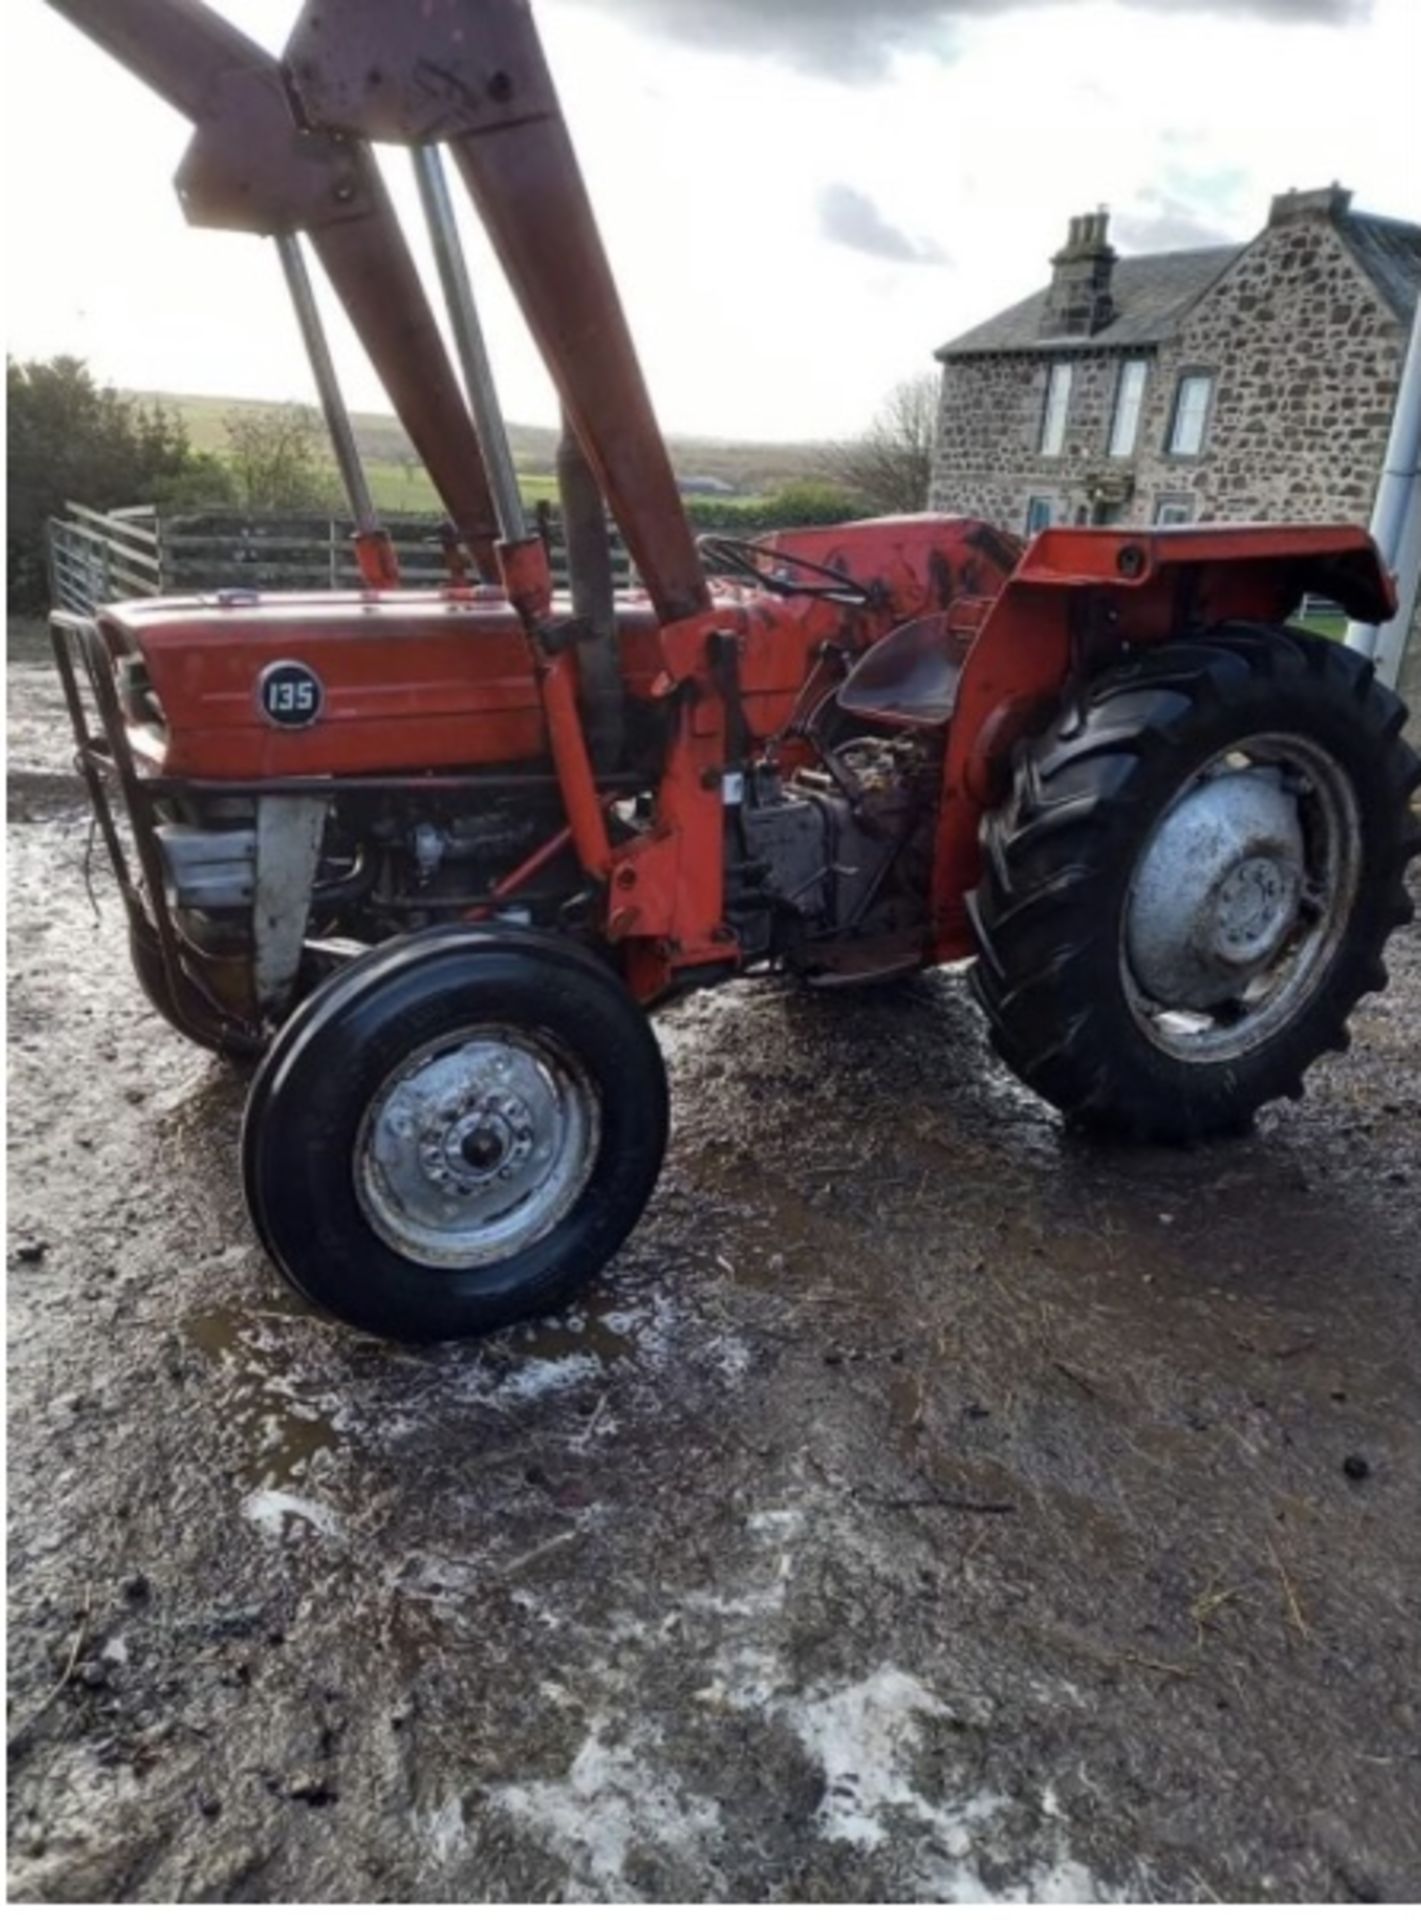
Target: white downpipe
point(1396, 521)
point(1390, 656)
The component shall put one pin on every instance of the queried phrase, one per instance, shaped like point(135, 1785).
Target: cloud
point(1328, 13)
point(851, 219)
point(1160, 222)
point(853, 41)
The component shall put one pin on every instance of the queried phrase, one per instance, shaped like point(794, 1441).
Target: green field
point(1332, 626)
point(403, 486)
point(749, 468)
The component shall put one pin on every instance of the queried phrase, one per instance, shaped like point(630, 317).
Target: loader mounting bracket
point(472, 67)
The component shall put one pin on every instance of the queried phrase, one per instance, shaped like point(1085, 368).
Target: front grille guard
point(104, 760)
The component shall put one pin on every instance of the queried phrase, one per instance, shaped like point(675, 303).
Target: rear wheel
point(455, 1132)
point(1193, 881)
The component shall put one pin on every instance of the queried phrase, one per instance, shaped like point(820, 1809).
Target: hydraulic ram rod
point(524, 558)
point(303, 299)
point(251, 168)
point(374, 550)
point(469, 339)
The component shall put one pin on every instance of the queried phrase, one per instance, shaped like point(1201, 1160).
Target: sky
point(801, 198)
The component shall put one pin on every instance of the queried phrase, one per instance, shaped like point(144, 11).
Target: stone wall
point(987, 461)
point(1306, 356)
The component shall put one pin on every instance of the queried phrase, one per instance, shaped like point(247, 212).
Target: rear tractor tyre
point(1191, 884)
point(455, 1132)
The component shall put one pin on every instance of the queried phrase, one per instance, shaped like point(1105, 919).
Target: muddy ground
point(927, 1504)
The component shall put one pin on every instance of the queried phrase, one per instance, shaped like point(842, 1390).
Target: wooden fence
point(137, 552)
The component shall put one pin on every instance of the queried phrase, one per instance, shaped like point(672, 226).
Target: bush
point(800, 503)
point(71, 439)
point(277, 459)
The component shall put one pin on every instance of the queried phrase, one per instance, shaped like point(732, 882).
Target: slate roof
point(1153, 292)
point(1389, 252)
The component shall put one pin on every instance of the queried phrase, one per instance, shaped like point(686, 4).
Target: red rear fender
point(1205, 575)
point(1113, 586)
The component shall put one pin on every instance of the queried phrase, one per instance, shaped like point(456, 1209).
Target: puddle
point(282, 1432)
point(285, 1425)
point(597, 1327)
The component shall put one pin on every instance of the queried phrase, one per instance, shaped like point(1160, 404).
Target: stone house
point(1224, 383)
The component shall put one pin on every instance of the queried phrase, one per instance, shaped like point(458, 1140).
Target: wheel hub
point(486, 1136)
point(1254, 909)
point(1218, 891)
point(475, 1149)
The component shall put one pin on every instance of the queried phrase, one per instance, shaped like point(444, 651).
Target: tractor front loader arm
point(180, 48)
point(251, 167)
point(472, 74)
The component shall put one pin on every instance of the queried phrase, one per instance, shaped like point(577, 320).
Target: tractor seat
point(909, 678)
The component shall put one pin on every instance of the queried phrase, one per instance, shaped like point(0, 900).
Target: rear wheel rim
point(476, 1146)
point(1241, 898)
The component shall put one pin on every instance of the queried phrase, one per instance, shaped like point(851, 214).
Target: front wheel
point(1194, 878)
point(455, 1132)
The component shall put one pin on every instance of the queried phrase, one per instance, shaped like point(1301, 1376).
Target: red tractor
point(432, 856)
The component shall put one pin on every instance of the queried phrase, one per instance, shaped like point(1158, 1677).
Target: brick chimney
point(1080, 301)
point(1317, 203)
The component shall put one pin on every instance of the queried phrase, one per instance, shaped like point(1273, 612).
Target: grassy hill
point(399, 482)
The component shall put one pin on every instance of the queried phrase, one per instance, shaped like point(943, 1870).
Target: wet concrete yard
point(927, 1504)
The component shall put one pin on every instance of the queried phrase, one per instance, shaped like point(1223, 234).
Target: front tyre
point(455, 1132)
point(1193, 880)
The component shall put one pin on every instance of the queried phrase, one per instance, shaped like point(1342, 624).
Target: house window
point(1174, 510)
point(1038, 513)
point(1190, 422)
point(1129, 399)
point(1058, 405)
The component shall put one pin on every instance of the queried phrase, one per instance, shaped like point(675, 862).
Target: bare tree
point(890, 467)
point(276, 458)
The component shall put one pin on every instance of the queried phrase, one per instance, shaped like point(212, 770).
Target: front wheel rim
point(1241, 898)
point(476, 1146)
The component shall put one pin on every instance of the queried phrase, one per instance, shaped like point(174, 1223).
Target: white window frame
point(1034, 501)
point(1056, 412)
point(1189, 417)
point(1174, 510)
point(1129, 408)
